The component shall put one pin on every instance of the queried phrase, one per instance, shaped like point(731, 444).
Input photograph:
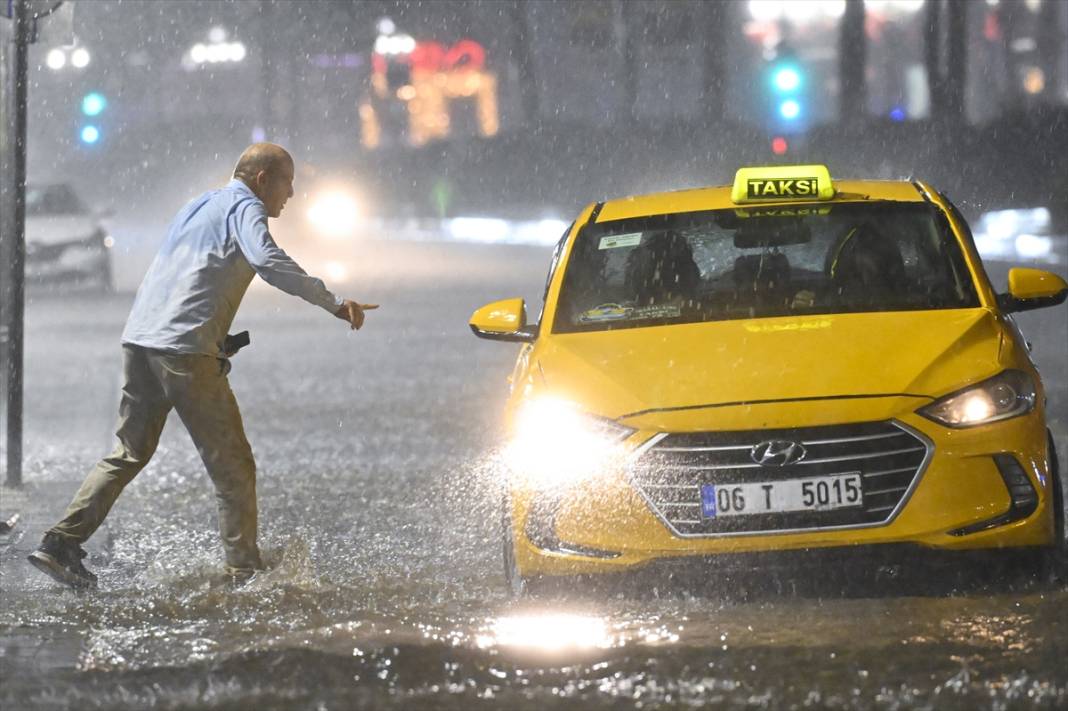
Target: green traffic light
point(90, 134)
point(786, 78)
point(93, 104)
point(790, 109)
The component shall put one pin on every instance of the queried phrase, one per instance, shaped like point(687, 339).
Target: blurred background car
point(65, 241)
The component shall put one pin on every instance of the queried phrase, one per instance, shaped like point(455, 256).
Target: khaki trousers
point(196, 387)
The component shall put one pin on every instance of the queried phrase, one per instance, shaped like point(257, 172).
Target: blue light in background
point(897, 114)
point(786, 79)
point(93, 104)
point(90, 134)
point(789, 109)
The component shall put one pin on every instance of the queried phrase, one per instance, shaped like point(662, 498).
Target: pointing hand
point(353, 312)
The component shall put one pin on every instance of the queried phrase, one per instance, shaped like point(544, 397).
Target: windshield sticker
point(807, 325)
point(605, 312)
point(657, 311)
point(632, 239)
point(618, 312)
point(783, 212)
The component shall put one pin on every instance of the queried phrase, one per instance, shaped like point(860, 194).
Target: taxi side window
point(966, 228)
point(967, 233)
point(946, 256)
point(558, 250)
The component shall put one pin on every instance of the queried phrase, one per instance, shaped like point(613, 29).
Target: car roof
point(719, 198)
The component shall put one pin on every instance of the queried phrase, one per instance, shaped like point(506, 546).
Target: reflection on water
point(1000, 632)
point(547, 632)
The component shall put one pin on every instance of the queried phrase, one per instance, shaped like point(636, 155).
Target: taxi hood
point(919, 353)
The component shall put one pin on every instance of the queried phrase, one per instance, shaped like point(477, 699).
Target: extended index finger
point(368, 307)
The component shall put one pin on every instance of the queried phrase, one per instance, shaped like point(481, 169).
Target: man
point(175, 357)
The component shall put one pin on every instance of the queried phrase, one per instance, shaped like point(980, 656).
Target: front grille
point(670, 473)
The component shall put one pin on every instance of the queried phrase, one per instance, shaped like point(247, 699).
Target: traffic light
point(90, 134)
point(93, 105)
point(786, 93)
point(786, 77)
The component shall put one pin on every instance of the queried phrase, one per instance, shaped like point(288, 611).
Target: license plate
point(822, 493)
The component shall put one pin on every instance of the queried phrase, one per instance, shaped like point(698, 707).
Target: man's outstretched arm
point(281, 271)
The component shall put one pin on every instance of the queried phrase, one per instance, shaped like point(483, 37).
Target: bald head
point(268, 171)
point(267, 157)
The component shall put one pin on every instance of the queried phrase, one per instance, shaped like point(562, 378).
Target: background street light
point(215, 51)
point(60, 57)
point(56, 59)
point(80, 58)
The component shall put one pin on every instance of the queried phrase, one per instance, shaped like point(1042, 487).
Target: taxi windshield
point(762, 262)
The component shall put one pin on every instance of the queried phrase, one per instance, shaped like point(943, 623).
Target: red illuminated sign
point(435, 57)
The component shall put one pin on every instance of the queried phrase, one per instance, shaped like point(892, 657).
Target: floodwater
point(377, 489)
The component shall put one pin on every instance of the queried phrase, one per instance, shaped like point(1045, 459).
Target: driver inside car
point(662, 270)
point(866, 267)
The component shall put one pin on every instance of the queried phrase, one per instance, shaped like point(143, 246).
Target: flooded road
point(377, 488)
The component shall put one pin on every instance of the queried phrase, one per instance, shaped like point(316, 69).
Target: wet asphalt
point(377, 488)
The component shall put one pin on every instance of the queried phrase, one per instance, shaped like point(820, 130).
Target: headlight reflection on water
point(548, 632)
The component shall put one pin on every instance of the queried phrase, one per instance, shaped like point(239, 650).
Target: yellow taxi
point(784, 365)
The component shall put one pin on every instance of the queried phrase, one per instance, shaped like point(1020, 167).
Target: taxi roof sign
point(782, 183)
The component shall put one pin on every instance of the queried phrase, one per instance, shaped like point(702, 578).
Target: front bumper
point(848, 570)
point(959, 500)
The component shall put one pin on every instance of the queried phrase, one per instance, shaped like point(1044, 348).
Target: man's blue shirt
point(214, 247)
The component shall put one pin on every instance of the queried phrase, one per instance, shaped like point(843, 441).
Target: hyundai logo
point(777, 453)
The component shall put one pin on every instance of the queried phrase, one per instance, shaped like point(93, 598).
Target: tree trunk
point(1051, 47)
point(268, 67)
point(714, 20)
point(956, 61)
point(852, 64)
point(523, 55)
point(1009, 14)
point(932, 56)
point(629, 60)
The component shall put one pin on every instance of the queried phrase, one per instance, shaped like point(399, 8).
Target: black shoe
point(61, 560)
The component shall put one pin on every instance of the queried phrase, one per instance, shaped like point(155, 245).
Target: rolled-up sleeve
point(272, 264)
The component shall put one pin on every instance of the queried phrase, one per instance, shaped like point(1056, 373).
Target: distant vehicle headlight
point(556, 443)
point(335, 213)
point(1008, 394)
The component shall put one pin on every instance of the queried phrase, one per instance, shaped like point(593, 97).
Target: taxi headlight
point(555, 443)
point(1008, 394)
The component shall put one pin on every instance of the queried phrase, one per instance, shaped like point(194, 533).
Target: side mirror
point(1032, 289)
point(503, 321)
